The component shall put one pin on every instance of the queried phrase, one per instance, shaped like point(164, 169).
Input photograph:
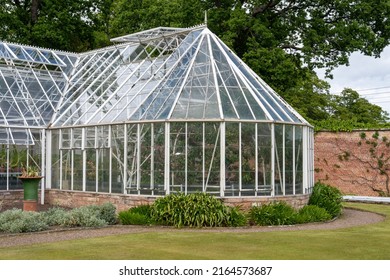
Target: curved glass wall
point(220, 158)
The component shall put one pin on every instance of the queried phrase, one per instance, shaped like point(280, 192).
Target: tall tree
point(60, 24)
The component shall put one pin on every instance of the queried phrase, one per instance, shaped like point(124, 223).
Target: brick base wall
point(74, 199)
point(351, 175)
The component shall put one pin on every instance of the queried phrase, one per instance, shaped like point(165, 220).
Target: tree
point(60, 24)
point(348, 111)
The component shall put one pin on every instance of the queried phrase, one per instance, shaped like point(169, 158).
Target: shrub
point(139, 215)
point(236, 218)
point(54, 216)
point(105, 212)
point(17, 221)
point(277, 213)
point(193, 210)
point(327, 197)
point(85, 216)
point(312, 213)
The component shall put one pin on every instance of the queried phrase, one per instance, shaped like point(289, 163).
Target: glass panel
point(298, 160)
point(248, 138)
point(66, 138)
point(195, 179)
point(159, 157)
point(264, 159)
point(145, 160)
point(132, 150)
point(91, 170)
point(66, 169)
point(212, 158)
point(177, 157)
point(232, 159)
point(289, 165)
point(55, 159)
point(78, 169)
point(77, 137)
point(279, 159)
point(117, 141)
point(103, 156)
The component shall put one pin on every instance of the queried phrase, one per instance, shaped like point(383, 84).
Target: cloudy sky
point(367, 75)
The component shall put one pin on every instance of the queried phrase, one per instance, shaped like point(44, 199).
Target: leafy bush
point(236, 218)
point(277, 213)
point(139, 215)
point(105, 212)
point(312, 213)
point(54, 216)
point(327, 197)
point(86, 216)
point(193, 210)
point(16, 221)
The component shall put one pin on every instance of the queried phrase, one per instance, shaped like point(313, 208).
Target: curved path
point(349, 218)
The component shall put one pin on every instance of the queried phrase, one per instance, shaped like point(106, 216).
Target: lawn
point(369, 242)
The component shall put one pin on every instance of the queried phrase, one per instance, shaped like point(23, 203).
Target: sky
point(370, 77)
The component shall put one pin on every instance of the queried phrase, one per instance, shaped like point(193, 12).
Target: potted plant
point(30, 179)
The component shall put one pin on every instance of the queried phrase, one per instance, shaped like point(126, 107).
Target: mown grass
point(369, 242)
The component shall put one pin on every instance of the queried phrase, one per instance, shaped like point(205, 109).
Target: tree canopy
point(283, 41)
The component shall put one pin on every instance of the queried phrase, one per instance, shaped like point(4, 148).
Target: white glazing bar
point(256, 159)
point(125, 136)
point(97, 170)
point(222, 159)
point(84, 158)
point(293, 165)
point(8, 167)
point(218, 93)
point(272, 159)
point(239, 158)
point(203, 157)
point(110, 159)
point(152, 157)
point(43, 173)
point(167, 159)
point(61, 157)
point(284, 162)
point(305, 157)
point(186, 159)
point(138, 175)
point(49, 163)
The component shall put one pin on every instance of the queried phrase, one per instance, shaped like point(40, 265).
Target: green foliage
point(312, 213)
point(139, 215)
point(55, 216)
point(105, 212)
point(17, 221)
point(327, 197)
point(83, 217)
point(193, 210)
point(277, 213)
point(130, 218)
point(236, 218)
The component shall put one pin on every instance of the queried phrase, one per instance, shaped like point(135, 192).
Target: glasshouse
point(160, 111)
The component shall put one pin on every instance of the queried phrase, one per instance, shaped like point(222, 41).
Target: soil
point(349, 218)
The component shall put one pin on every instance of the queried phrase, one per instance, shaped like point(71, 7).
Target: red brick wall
point(351, 176)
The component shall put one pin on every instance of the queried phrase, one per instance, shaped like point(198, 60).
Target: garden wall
point(340, 161)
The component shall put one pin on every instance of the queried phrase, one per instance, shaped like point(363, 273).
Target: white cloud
point(368, 75)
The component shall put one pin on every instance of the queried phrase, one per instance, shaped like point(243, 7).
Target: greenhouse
point(160, 111)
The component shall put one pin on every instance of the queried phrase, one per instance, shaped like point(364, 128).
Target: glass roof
point(158, 74)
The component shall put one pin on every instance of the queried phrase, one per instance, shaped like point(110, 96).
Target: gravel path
point(349, 218)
